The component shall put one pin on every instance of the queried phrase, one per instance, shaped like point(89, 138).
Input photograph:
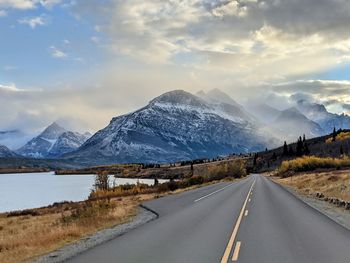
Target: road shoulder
point(337, 214)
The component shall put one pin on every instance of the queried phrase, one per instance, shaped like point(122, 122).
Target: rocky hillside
point(174, 126)
point(54, 141)
point(6, 152)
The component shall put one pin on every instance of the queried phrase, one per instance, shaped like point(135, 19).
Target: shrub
point(309, 163)
point(102, 181)
point(339, 137)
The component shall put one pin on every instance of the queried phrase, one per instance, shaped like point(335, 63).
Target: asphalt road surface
point(253, 220)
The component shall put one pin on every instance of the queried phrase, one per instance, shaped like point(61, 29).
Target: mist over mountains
point(178, 125)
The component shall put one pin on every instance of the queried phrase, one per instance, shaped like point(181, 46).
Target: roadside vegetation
point(233, 169)
point(332, 184)
point(311, 163)
point(30, 233)
point(340, 136)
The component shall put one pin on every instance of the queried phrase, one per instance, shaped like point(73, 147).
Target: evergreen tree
point(290, 151)
point(300, 147)
point(274, 156)
point(341, 150)
point(285, 149)
point(255, 159)
point(304, 139)
point(334, 135)
point(306, 149)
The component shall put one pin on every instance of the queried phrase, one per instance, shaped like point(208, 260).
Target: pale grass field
point(330, 183)
point(24, 237)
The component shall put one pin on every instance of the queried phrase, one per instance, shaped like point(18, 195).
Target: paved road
point(254, 220)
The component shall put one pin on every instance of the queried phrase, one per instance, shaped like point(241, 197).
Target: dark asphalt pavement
point(253, 220)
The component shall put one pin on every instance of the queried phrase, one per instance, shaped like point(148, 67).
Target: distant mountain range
point(54, 141)
point(6, 152)
point(175, 126)
point(181, 126)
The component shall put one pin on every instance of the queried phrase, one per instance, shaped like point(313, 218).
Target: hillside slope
point(174, 126)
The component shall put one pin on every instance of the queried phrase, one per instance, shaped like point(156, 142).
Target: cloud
point(28, 4)
point(334, 94)
point(3, 13)
point(255, 41)
point(9, 88)
point(56, 53)
point(50, 3)
point(18, 4)
point(33, 22)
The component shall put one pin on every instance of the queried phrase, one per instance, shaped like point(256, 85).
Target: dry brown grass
point(310, 163)
point(331, 184)
point(28, 234)
point(24, 237)
point(340, 137)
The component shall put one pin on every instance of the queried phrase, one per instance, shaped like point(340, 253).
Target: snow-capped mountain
point(291, 123)
point(67, 142)
point(40, 146)
point(174, 126)
point(6, 152)
point(52, 142)
point(319, 114)
point(225, 103)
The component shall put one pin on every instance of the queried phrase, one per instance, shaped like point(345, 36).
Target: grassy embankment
point(27, 234)
point(332, 184)
point(326, 178)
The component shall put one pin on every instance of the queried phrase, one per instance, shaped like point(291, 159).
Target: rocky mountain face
point(174, 126)
point(319, 114)
point(68, 142)
point(6, 152)
point(52, 142)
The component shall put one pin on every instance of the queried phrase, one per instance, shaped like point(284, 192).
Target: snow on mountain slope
point(6, 152)
point(174, 126)
point(53, 142)
point(318, 113)
point(40, 146)
point(68, 142)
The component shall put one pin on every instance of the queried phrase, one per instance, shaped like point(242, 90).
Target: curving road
point(253, 220)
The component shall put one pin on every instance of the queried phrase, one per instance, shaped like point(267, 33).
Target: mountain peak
point(53, 131)
point(178, 97)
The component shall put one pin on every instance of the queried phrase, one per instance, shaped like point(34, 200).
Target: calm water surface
point(31, 190)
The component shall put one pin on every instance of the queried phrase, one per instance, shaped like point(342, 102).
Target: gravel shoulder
point(96, 239)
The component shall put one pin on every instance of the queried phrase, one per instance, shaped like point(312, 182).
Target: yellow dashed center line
point(229, 246)
point(236, 251)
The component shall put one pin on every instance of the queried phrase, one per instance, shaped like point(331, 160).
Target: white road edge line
point(230, 243)
point(246, 213)
point(212, 193)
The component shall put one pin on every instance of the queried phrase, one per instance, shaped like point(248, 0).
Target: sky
point(82, 62)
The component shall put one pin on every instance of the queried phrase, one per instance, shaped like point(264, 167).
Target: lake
point(32, 190)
